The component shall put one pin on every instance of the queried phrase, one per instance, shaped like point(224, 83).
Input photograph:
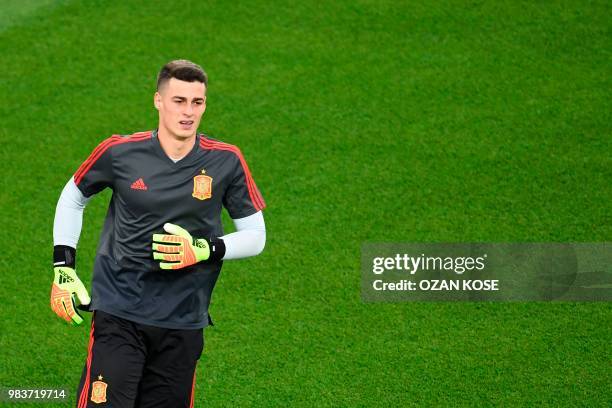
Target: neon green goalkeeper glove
point(65, 285)
point(179, 248)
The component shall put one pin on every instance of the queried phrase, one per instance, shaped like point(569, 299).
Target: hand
point(66, 284)
point(183, 249)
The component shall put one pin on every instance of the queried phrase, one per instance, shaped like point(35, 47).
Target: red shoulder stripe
point(99, 151)
point(103, 147)
point(254, 194)
point(100, 147)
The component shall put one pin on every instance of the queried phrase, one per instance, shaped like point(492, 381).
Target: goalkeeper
point(160, 251)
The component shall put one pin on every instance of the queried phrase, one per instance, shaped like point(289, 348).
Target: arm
point(69, 216)
point(178, 249)
point(249, 238)
point(94, 175)
point(243, 197)
point(66, 231)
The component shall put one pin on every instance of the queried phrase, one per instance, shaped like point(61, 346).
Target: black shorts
point(135, 365)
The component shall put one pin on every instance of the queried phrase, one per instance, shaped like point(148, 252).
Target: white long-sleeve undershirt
point(248, 240)
point(69, 215)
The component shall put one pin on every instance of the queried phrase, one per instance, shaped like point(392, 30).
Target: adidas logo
point(64, 277)
point(139, 185)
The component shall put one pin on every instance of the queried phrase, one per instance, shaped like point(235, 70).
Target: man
point(160, 251)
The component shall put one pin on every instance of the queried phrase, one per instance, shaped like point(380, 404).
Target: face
point(180, 105)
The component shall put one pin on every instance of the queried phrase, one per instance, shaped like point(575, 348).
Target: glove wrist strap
point(64, 256)
point(217, 249)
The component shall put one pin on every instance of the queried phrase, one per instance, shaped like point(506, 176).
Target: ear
point(157, 100)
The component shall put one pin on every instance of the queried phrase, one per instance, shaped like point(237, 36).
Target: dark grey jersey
point(149, 189)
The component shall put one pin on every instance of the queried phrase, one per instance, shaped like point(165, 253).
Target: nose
point(188, 110)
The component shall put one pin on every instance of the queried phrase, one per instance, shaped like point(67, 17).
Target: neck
point(175, 147)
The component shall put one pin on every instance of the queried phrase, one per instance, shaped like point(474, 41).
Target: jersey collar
point(160, 152)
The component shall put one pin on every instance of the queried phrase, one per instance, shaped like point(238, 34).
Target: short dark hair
point(183, 70)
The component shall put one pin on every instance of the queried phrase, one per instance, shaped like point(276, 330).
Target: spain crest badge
point(202, 186)
point(98, 391)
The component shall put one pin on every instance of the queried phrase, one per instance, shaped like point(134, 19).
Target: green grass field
point(362, 121)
